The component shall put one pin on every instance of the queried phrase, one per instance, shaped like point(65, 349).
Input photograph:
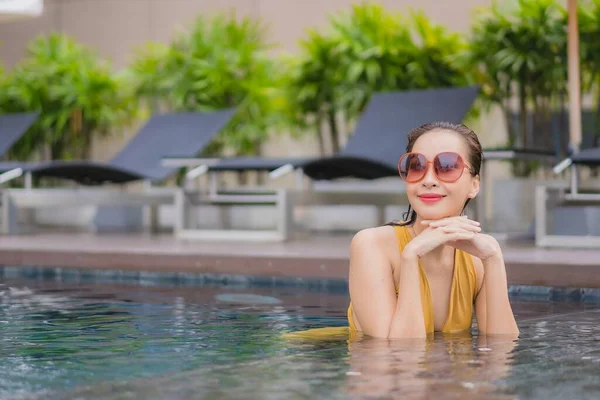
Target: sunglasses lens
point(448, 166)
point(412, 167)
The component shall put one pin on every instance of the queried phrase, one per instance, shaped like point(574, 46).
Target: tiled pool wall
point(169, 279)
point(187, 279)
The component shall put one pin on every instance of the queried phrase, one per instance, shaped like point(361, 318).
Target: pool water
point(93, 339)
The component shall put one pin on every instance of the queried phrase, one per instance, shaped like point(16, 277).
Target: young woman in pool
point(426, 273)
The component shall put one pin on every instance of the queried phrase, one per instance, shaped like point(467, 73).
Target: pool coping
point(519, 271)
point(315, 257)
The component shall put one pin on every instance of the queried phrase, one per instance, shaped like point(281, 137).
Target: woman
point(425, 274)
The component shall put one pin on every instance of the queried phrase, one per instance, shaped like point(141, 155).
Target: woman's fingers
point(475, 227)
point(466, 226)
point(450, 221)
point(462, 235)
point(457, 230)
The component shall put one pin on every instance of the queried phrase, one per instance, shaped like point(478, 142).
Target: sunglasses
point(448, 167)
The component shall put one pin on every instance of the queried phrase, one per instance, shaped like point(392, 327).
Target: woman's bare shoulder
point(380, 241)
point(379, 234)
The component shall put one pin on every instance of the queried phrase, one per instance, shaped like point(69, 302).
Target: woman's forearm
point(408, 320)
point(499, 314)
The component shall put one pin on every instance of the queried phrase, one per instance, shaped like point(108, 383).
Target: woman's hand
point(451, 231)
point(478, 245)
point(493, 309)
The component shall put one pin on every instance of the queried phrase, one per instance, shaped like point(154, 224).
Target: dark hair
point(475, 155)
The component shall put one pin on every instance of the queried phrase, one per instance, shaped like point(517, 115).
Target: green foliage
point(518, 50)
point(436, 63)
point(219, 63)
point(515, 51)
point(77, 97)
point(315, 85)
point(143, 73)
point(369, 50)
point(522, 41)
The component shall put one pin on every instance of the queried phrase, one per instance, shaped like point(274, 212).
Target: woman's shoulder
point(374, 235)
point(381, 239)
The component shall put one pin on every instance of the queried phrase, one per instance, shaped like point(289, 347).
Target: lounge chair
point(546, 157)
point(371, 153)
point(577, 222)
point(12, 128)
point(180, 134)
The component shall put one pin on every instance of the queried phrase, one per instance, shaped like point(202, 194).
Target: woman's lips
point(430, 198)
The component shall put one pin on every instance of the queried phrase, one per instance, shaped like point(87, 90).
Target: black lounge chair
point(181, 134)
point(12, 128)
point(371, 153)
point(380, 138)
point(589, 157)
point(579, 229)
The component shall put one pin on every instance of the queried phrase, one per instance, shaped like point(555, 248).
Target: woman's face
point(432, 198)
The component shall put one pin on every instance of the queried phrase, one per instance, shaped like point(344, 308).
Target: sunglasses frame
point(459, 159)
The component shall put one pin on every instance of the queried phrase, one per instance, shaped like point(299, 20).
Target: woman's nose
point(430, 179)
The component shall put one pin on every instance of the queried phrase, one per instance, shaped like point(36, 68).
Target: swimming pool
point(109, 335)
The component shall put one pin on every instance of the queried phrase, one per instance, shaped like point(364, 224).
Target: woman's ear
point(475, 184)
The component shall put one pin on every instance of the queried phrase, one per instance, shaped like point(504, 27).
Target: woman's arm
point(373, 295)
point(408, 320)
point(493, 310)
point(492, 306)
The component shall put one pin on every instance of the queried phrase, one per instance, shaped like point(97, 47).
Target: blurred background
point(300, 72)
point(291, 62)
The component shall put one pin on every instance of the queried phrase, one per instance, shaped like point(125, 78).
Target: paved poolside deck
point(315, 257)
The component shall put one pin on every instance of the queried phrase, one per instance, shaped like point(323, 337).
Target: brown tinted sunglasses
point(448, 167)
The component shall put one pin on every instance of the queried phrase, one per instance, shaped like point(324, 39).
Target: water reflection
point(446, 366)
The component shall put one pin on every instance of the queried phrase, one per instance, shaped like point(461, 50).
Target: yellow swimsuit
point(460, 309)
point(462, 291)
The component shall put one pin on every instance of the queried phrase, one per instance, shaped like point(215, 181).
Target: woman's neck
point(417, 226)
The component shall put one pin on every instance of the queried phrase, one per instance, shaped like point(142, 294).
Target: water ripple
point(116, 342)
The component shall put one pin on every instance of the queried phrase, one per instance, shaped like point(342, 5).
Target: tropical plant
point(315, 87)
point(366, 50)
point(518, 50)
point(376, 49)
point(437, 62)
point(145, 74)
point(77, 95)
point(219, 63)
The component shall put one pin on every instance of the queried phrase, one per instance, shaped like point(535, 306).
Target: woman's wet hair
point(475, 155)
